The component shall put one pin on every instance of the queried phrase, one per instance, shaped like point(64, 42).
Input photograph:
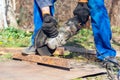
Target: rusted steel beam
point(53, 61)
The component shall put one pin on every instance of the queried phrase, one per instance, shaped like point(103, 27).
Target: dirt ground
point(93, 77)
point(8, 65)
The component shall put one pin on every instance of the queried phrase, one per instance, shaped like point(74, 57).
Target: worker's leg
point(37, 18)
point(37, 14)
point(101, 29)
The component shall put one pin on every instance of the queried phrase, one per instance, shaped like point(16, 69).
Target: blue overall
point(37, 14)
point(100, 26)
point(101, 29)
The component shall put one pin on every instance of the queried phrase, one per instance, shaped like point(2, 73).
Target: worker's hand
point(82, 12)
point(49, 26)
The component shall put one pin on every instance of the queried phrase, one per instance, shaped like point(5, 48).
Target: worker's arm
point(44, 6)
point(82, 11)
point(49, 22)
point(83, 1)
point(44, 3)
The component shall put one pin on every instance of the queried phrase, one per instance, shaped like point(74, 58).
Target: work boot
point(113, 68)
point(111, 59)
point(107, 60)
point(29, 50)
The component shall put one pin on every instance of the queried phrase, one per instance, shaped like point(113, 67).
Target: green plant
point(12, 37)
point(5, 57)
point(83, 35)
point(84, 38)
point(116, 29)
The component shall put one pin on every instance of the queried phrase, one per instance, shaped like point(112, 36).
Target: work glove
point(49, 26)
point(82, 12)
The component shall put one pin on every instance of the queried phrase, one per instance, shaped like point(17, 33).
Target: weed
point(5, 57)
point(116, 29)
point(12, 37)
point(84, 38)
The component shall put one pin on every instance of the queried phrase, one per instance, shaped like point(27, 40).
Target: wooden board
point(53, 61)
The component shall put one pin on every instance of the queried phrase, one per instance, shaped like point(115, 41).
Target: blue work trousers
point(101, 29)
point(100, 26)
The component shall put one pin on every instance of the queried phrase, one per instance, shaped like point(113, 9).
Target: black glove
point(49, 26)
point(82, 12)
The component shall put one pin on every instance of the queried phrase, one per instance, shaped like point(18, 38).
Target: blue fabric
point(44, 3)
point(37, 14)
point(101, 29)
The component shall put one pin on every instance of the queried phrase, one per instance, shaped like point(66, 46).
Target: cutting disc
point(40, 45)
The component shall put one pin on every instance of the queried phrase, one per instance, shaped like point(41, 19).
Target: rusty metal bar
point(54, 61)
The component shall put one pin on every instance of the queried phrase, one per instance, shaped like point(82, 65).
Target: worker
point(42, 9)
point(43, 15)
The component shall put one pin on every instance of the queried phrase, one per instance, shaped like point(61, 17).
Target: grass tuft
point(5, 57)
point(12, 37)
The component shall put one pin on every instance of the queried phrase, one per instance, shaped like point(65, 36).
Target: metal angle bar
point(54, 61)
